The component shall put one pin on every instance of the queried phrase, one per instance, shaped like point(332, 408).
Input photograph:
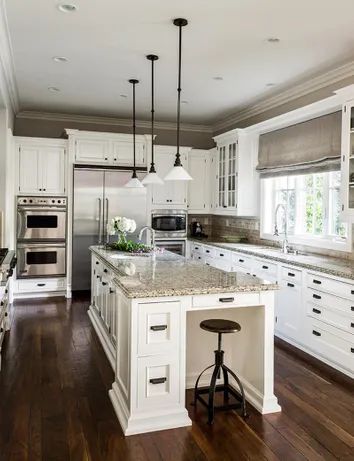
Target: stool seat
point(220, 326)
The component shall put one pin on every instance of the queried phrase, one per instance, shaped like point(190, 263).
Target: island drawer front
point(345, 306)
point(224, 300)
point(223, 255)
point(158, 381)
point(209, 251)
point(265, 267)
point(241, 260)
point(196, 248)
point(39, 285)
point(158, 327)
point(336, 287)
point(199, 257)
point(333, 317)
point(332, 343)
point(293, 275)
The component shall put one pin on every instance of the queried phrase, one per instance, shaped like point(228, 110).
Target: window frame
point(337, 244)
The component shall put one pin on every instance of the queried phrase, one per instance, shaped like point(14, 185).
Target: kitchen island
point(146, 311)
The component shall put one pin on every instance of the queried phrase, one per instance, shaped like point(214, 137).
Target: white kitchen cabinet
point(199, 189)
point(347, 162)
point(111, 149)
point(171, 193)
point(235, 173)
point(289, 318)
point(41, 166)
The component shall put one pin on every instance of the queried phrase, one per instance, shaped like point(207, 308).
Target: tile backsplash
point(223, 227)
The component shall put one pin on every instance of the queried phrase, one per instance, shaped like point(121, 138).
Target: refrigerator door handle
point(106, 221)
point(99, 221)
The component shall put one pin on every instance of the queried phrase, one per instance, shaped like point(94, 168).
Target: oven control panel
point(46, 201)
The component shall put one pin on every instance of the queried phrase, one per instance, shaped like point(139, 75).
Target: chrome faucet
point(152, 233)
point(285, 247)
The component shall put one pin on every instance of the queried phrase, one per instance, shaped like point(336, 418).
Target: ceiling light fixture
point(270, 84)
point(67, 8)
point(152, 177)
point(134, 182)
point(184, 102)
point(218, 78)
point(178, 173)
point(60, 59)
point(123, 95)
point(53, 89)
point(273, 40)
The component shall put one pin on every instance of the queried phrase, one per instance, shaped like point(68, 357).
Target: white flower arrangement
point(121, 225)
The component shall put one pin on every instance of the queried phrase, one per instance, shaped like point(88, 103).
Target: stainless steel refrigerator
point(99, 195)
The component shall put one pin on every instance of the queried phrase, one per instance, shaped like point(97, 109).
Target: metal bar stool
point(220, 326)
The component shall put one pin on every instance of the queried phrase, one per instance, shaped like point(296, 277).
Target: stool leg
point(212, 394)
point(226, 383)
point(244, 412)
point(197, 382)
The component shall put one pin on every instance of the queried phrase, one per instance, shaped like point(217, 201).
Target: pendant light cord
point(178, 156)
point(152, 167)
point(134, 82)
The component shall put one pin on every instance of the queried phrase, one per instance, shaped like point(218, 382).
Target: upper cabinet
point(347, 158)
point(96, 148)
point(199, 190)
point(234, 170)
point(41, 166)
point(170, 194)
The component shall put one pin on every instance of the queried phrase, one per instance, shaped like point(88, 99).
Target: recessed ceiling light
point(67, 8)
point(273, 40)
point(218, 78)
point(184, 102)
point(60, 59)
point(123, 95)
point(53, 89)
point(270, 84)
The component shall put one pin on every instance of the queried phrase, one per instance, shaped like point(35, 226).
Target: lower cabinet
point(313, 311)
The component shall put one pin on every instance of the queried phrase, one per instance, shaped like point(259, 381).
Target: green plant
point(129, 246)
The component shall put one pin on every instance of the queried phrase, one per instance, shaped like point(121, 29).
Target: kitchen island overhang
point(155, 305)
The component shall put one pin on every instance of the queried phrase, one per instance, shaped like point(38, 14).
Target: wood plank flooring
point(54, 403)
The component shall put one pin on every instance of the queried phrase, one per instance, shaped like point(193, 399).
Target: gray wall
point(55, 129)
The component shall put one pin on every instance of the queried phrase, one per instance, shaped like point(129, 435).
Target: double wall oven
point(170, 230)
point(41, 236)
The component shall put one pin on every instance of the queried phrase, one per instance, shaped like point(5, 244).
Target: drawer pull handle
point(226, 300)
point(1, 330)
point(352, 292)
point(40, 284)
point(97, 276)
point(158, 327)
point(290, 274)
point(208, 264)
point(265, 267)
point(316, 333)
point(207, 251)
point(352, 350)
point(352, 308)
point(241, 260)
point(317, 296)
point(221, 254)
point(316, 311)
point(352, 324)
point(104, 283)
point(97, 262)
point(157, 380)
point(111, 291)
point(317, 282)
point(291, 285)
point(105, 270)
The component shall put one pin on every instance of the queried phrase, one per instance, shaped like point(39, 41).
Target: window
point(312, 204)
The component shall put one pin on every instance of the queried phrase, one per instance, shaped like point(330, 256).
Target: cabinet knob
point(158, 380)
point(158, 327)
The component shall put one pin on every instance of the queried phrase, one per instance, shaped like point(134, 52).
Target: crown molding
point(100, 120)
point(302, 89)
point(7, 70)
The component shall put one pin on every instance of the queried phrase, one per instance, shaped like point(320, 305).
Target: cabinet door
point(227, 177)
point(289, 310)
point(221, 199)
point(30, 180)
point(52, 168)
point(198, 189)
point(92, 151)
point(122, 153)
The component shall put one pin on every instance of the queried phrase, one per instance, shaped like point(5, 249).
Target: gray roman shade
point(307, 147)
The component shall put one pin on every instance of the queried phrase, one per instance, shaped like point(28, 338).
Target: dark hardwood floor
point(54, 403)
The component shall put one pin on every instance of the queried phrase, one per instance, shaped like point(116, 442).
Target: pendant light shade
point(152, 177)
point(178, 173)
point(134, 182)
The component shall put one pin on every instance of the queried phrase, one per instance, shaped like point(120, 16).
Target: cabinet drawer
point(241, 261)
point(158, 381)
point(265, 267)
point(40, 285)
point(335, 287)
point(336, 303)
point(332, 343)
point(223, 255)
point(196, 248)
point(198, 257)
point(96, 264)
point(224, 300)
point(334, 318)
point(158, 327)
point(293, 275)
point(209, 251)
point(221, 264)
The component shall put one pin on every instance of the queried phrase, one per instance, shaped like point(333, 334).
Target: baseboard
point(47, 294)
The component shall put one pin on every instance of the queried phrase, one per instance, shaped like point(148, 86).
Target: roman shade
point(307, 147)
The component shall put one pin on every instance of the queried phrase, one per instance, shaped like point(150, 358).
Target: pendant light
point(134, 182)
point(178, 173)
point(152, 177)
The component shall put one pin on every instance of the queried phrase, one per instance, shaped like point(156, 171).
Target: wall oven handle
point(99, 221)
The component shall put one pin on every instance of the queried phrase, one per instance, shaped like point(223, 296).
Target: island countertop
point(168, 274)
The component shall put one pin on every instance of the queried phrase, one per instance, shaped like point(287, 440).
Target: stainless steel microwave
point(169, 223)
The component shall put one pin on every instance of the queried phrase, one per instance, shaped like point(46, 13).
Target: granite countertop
point(333, 266)
point(168, 274)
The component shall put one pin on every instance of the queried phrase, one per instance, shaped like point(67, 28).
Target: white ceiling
point(106, 42)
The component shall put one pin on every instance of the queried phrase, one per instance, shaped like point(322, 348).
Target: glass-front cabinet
point(227, 177)
point(347, 189)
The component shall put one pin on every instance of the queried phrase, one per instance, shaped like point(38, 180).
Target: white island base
point(181, 351)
